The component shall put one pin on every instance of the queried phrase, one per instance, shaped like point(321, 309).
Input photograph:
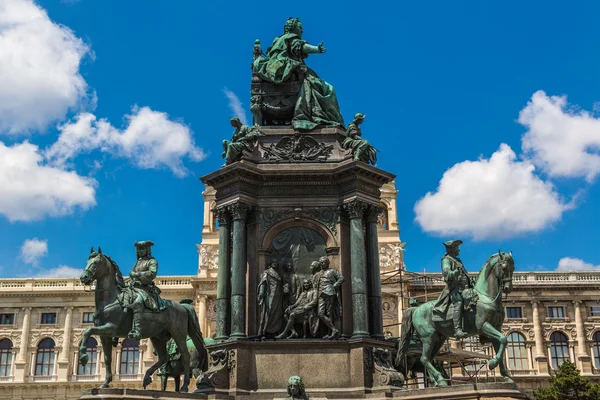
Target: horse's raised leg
point(107, 350)
point(496, 337)
point(430, 344)
point(181, 342)
point(104, 330)
point(501, 365)
point(160, 345)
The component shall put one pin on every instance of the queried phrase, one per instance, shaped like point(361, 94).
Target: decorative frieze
point(209, 256)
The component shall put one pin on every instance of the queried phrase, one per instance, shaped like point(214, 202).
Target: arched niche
point(298, 242)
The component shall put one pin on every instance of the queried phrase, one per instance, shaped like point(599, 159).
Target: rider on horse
point(457, 280)
point(145, 292)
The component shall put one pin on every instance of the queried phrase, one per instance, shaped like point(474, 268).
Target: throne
point(270, 103)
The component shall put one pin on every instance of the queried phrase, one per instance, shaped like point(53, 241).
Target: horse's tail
point(405, 336)
point(195, 334)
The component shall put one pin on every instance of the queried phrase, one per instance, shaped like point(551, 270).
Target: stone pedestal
point(293, 181)
point(484, 391)
point(339, 368)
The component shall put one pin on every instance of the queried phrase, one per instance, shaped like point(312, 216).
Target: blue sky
point(489, 108)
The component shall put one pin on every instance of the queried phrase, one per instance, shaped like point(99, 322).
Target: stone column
point(55, 366)
point(24, 334)
point(149, 352)
point(33, 363)
point(62, 364)
point(360, 315)
point(540, 357)
point(20, 364)
point(583, 358)
point(239, 212)
point(223, 275)
point(202, 312)
point(75, 366)
point(374, 277)
point(99, 363)
point(64, 354)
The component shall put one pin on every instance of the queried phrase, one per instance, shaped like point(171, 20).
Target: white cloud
point(151, 140)
point(490, 198)
point(572, 264)
point(564, 142)
point(39, 68)
point(235, 105)
point(62, 271)
point(30, 190)
point(34, 249)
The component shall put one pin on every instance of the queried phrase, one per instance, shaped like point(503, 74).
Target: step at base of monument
point(483, 391)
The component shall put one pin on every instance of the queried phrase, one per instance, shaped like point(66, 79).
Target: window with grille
point(130, 357)
point(517, 352)
point(7, 319)
point(6, 348)
point(88, 317)
point(44, 361)
point(92, 351)
point(559, 349)
point(556, 312)
point(595, 311)
point(514, 312)
point(48, 318)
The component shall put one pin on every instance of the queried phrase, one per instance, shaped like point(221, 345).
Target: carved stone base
point(483, 391)
point(339, 368)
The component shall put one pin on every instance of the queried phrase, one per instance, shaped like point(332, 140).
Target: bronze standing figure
point(457, 280)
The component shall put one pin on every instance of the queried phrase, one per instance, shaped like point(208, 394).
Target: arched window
point(130, 357)
point(559, 349)
point(92, 351)
point(517, 352)
point(5, 357)
point(44, 361)
point(596, 340)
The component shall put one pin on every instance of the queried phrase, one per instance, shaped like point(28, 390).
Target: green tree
point(568, 384)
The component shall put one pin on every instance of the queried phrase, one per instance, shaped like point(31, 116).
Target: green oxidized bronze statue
point(327, 302)
point(144, 293)
point(456, 278)
point(316, 103)
point(295, 389)
point(362, 150)
point(113, 319)
point(485, 318)
point(302, 310)
point(243, 139)
point(270, 301)
point(174, 367)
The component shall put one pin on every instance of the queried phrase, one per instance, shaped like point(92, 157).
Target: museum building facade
point(551, 317)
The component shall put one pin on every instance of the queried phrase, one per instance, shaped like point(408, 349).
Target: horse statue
point(484, 319)
point(111, 320)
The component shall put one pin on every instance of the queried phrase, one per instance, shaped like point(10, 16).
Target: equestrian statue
point(137, 311)
point(463, 309)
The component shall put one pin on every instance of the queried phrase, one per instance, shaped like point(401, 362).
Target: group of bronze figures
point(287, 92)
point(285, 302)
